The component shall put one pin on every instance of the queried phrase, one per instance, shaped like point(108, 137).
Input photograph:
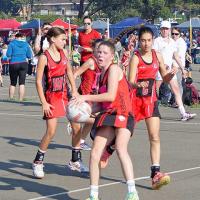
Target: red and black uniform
point(55, 84)
point(117, 114)
point(89, 80)
point(144, 100)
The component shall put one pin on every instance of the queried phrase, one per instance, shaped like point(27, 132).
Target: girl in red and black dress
point(144, 66)
point(114, 121)
point(53, 67)
point(90, 73)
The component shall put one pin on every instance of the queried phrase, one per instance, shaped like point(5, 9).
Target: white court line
point(20, 114)
point(164, 122)
point(109, 184)
point(180, 122)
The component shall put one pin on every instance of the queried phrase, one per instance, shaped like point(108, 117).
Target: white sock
point(82, 141)
point(131, 186)
point(155, 165)
point(182, 110)
point(41, 151)
point(94, 191)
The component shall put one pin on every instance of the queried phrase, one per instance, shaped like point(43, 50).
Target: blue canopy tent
point(194, 21)
point(115, 29)
point(34, 24)
point(99, 24)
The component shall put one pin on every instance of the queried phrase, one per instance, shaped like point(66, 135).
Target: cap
point(165, 24)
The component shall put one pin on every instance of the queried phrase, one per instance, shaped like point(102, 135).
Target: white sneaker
point(84, 146)
point(78, 166)
point(38, 170)
point(188, 116)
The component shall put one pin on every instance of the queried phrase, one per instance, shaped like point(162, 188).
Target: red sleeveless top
point(122, 103)
point(89, 80)
point(143, 99)
point(55, 84)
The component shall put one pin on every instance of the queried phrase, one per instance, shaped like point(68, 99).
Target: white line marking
point(109, 184)
point(180, 122)
point(15, 114)
point(164, 122)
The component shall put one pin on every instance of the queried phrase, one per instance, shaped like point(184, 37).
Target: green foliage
point(165, 13)
point(4, 15)
point(116, 9)
point(46, 18)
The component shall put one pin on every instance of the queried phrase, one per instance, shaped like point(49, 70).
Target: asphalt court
point(21, 129)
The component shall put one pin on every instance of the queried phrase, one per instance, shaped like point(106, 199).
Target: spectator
point(76, 56)
point(75, 36)
point(1, 78)
point(85, 39)
point(41, 43)
point(181, 50)
point(167, 47)
point(18, 52)
point(4, 60)
point(105, 34)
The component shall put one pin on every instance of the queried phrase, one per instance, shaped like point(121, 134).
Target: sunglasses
point(87, 23)
point(175, 33)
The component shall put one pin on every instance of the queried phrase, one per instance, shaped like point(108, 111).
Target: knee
point(154, 138)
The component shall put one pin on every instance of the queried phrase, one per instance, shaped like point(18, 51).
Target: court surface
point(22, 127)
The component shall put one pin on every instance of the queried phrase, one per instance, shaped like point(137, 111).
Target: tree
point(4, 15)
point(151, 9)
point(105, 7)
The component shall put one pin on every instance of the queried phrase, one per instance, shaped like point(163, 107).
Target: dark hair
point(143, 30)
point(177, 29)
point(95, 42)
point(19, 35)
point(109, 44)
point(189, 80)
point(87, 17)
point(45, 24)
point(54, 32)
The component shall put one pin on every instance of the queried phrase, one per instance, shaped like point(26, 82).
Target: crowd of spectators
point(124, 48)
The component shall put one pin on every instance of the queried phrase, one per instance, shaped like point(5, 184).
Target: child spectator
point(1, 78)
point(190, 93)
point(5, 60)
point(76, 57)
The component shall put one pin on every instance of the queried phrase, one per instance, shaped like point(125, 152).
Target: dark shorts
point(156, 112)
point(112, 120)
point(18, 70)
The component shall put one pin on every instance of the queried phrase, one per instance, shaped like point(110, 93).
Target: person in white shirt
point(167, 47)
point(181, 50)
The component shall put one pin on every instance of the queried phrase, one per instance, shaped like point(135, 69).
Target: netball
point(78, 112)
